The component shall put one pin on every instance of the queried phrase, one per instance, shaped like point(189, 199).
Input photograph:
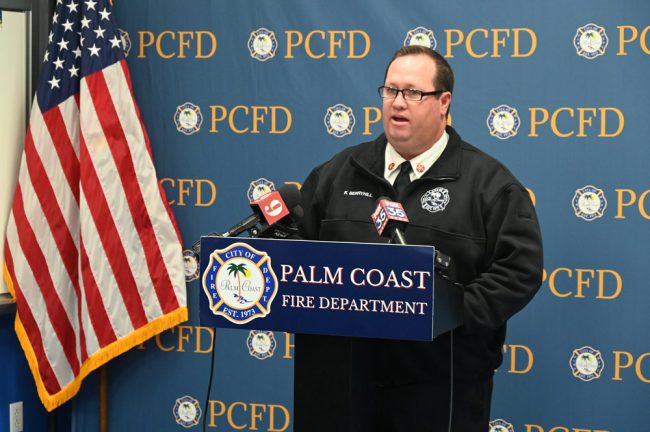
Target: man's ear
point(445, 101)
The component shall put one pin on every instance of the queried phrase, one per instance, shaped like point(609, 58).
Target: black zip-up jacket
point(488, 226)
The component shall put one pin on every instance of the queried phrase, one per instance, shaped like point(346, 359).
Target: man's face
point(412, 127)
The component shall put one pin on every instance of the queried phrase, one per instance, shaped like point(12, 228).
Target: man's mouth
point(399, 119)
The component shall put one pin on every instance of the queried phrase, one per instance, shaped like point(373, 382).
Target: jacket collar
point(370, 157)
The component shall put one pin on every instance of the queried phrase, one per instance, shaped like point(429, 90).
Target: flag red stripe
point(110, 238)
point(31, 329)
point(64, 149)
point(161, 190)
point(40, 268)
point(96, 309)
point(50, 206)
point(109, 120)
point(56, 221)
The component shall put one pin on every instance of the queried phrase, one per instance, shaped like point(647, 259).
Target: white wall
point(13, 103)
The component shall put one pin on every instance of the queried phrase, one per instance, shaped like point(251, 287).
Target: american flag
point(93, 256)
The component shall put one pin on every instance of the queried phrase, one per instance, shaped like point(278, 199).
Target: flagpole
point(51, 421)
point(103, 399)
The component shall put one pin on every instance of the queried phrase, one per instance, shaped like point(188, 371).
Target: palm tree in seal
point(502, 117)
point(236, 269)
point(590, 36)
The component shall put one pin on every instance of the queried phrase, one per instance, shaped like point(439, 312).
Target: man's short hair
point(444, 79)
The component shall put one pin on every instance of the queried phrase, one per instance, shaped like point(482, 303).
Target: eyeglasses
point(409, 94)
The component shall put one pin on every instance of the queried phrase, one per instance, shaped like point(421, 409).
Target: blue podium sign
point(333, 288)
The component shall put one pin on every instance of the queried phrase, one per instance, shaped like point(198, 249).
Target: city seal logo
point(258, 188)
point(191, 266)
point(262, 44)
point(240, 283)
point(261, 344)
point(435, 200)
point(188, 118)
point(500, 425)
point(590, 41)
point(503, 122)
point(187, 411)
point(420, 36)
point(339, 120)
point(586, 363)
point(589, 203)
point(126, 41)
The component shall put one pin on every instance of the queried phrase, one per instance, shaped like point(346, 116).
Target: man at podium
point(458, 199)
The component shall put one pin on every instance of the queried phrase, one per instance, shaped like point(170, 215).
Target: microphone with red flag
point(272, 207)
point(390, 219)
point(281, 211)
point(274, 216)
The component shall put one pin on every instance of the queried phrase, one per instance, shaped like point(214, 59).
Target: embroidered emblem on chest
point(435, 200)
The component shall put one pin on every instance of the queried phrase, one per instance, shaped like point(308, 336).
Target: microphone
point(280, 213)
point(285, 228)
point(268, 210)
point(390, 218)
point(272, 206)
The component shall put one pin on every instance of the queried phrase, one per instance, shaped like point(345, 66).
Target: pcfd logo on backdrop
point(262, 44)
point(315, 44)
point(188, 118)
point(500, 425)
point(258, 188)
point(563, 122)
point(240, 283)
point(478, 43)
point(339, 120)
point(590, 41)
point(420, 36)
point(187, 411)
point(503, 122)
point(586, 363)
point(191, 266)
point(177, 44)
point(589, 203)
point(261, 344)
point(126, 41)
point(584, 283)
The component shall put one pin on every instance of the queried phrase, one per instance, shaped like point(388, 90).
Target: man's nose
point(399, 100)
